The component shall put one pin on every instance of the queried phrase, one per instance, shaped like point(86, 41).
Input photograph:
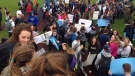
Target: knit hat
point(107, 48)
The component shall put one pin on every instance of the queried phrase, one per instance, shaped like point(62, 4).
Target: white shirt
point(126, 51)
point(13, 25)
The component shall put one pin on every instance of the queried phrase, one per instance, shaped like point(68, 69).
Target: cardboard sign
point(78, 26)
point(60, 22)
point(70, 17)
point(95, 15)
point(89, 59)
point(40, 52)
point(86, 23)
point(116, 66)
point(103, 22)
point(67, 1)
point(53, 40)
point(39, 38)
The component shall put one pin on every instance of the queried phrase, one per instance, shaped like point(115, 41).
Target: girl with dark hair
point(93, 48)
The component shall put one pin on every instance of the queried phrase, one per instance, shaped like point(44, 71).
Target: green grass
point(12, 6)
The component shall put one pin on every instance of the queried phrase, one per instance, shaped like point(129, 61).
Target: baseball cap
point(107, 48)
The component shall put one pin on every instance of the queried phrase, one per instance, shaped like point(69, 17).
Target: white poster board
point(40, 52)
point(67, 1)
point(89, 59)
point(78, 26)
point(86, 23)
point(95, 15)
point(39, 38)
point(70, 17)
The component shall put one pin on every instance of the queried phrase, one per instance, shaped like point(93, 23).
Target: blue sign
point(59, 23)
point(117, 69)
point(103, 22)
point(53, 40)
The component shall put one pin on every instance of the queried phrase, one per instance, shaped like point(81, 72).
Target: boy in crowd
point(126, 69)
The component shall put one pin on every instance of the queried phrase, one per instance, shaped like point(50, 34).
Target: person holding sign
point(58, 41)
point(126, 69)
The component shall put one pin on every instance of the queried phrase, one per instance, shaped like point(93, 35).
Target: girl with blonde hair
point(126, 48)
point(114, 43)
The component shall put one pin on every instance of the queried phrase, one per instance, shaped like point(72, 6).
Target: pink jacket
point(113, 48)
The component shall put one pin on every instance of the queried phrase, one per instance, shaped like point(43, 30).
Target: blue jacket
point(73, 36)
point(34, 20)
point(103, 38)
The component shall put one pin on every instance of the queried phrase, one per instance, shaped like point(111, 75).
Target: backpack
point(8, 25)
point(67, 38)
point(104, 65)
point(75, 61)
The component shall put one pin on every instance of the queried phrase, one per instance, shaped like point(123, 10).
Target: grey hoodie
point(99, 58)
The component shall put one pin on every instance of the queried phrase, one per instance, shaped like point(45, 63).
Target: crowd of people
point(18, 53)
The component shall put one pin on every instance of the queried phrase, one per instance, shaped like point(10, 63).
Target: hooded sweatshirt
point(99, 58)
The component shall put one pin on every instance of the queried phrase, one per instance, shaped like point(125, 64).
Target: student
point(69, 52)
point(48, 34)
point(103, 38)
point(58, 41)
point(93, 48)
point(33, 19)
point(50, 64)
point(126, 48)
point(21, 61)
point(12, 25)
point(76, 46)
point(21, 35)
point(126, 68)
point(114, 43)
point(74, 34)
point(103, 61)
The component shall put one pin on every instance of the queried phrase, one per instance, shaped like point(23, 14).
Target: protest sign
point(67, 1)
point(39, 38)
point(54, 42)
point(89, 59)
point(78, 26)
point(103, 22)
point(95, 15)
point(86, 23)
point(60, 22)
point(70, 17)
point(117, 70)
point(40, 52)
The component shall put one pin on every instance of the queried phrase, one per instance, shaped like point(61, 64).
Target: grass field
point(12, 6)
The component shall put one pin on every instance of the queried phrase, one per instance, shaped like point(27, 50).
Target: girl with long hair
point(126, 48)
point(21, 35)
point(20, 62)
point(114, 43)
point(69, 52)
point(50, 64)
